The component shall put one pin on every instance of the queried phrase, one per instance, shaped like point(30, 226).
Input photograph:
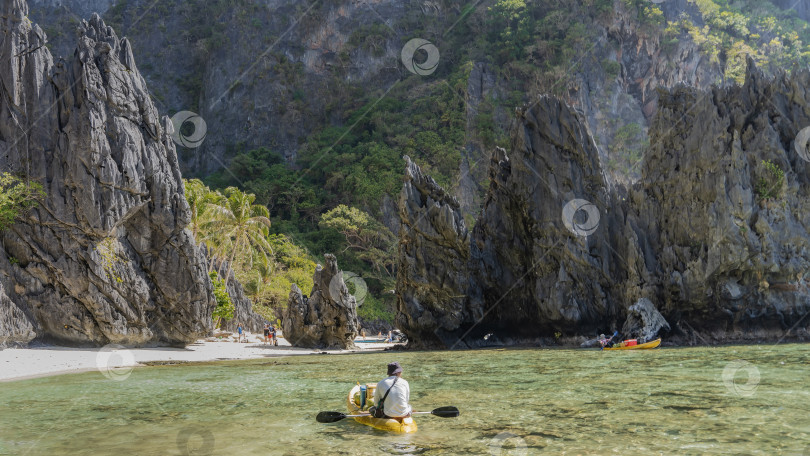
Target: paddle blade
point(330, 417)
point(446, 412)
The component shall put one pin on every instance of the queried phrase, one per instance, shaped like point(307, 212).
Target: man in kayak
point(392, 395)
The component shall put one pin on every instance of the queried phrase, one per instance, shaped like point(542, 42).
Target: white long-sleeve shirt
point(397, 404)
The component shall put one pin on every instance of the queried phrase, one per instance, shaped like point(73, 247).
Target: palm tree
point(256, 276)
point(255, 284)
point(199, 199)
point(242, 226)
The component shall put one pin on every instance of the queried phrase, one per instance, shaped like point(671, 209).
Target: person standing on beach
point(393, 395)
point(266, 332)
point(273, 333)
point(239, 330)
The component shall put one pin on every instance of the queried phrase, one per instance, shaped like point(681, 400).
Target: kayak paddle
point(332, 417)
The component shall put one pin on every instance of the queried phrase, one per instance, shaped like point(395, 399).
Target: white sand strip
point(23, 363)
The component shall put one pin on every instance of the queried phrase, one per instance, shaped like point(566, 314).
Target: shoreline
point(18, 364)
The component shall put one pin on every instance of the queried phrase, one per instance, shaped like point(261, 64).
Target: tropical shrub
point(225, 308)
point(17, 197)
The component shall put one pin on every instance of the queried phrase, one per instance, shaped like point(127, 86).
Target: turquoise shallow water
point(665, 401)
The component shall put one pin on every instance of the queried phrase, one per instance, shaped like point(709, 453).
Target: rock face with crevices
point(644, 322)
point(722, 212)
point(522, 272)
point(15, 327)
point(105, 257)
point(535, 270)
point(243, 310)
point(433, 254)
point(325, 319)
point(712, 244)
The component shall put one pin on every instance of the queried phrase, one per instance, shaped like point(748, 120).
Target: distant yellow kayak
point(621, 346)
point(354, 403)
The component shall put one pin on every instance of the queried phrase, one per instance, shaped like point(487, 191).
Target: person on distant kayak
point(614, 339)
point(392, 395)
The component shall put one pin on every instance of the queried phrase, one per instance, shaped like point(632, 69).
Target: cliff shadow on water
point(714, 235)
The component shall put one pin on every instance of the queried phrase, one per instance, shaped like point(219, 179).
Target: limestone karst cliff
point(721, 214)
point(14, 325)
point(522, 273)
point(105, 257)
point(714, 235)
point(522, 249)
point(431, 267)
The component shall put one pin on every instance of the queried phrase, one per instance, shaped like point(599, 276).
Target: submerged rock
point(105, 257)
point(328, 318)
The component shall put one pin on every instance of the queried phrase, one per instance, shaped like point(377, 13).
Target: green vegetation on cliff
point(17, 197)
point(770, 184)
point(372, 241)
point(346, 169)
point(733, 31)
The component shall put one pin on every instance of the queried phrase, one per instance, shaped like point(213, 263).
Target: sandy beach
point(25, 363)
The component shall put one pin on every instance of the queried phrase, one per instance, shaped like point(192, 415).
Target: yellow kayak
point(354, 402)
point(652, 344)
